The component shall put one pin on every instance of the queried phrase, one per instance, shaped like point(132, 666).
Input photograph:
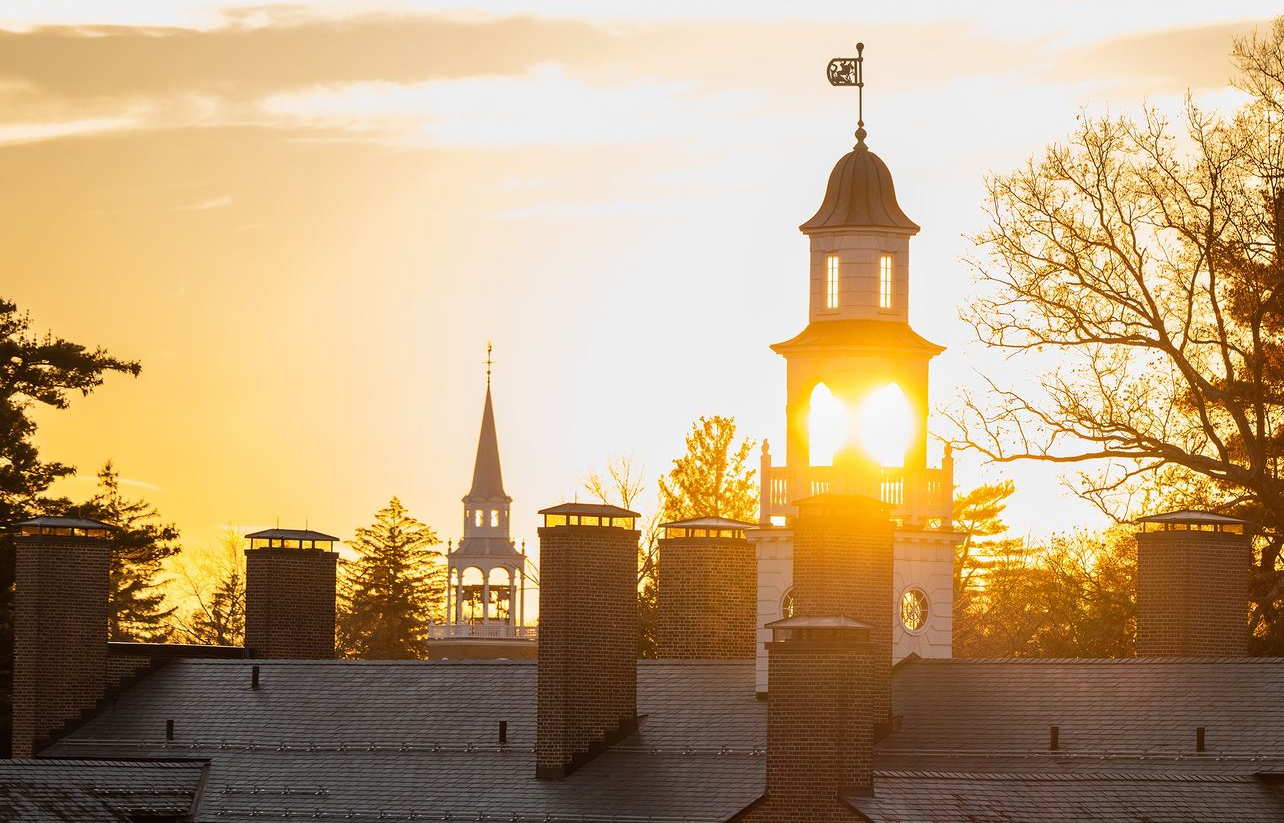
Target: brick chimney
point(820, 745)
point(588, 634)
point(1192, 585)
point(843, 567)
point(289, 594)
point(708, 595)
point(60, 624)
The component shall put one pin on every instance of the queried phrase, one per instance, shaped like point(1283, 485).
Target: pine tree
point(140, 545)
point(393, 589)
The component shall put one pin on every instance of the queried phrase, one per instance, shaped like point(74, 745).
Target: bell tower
point(486, 593)
point(856, 399)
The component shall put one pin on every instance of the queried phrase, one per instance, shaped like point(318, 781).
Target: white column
point(512, 597)
point(486, 598)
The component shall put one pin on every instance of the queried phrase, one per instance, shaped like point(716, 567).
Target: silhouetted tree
point(34, 371)
point(1150, 261)
point(621, 485)
point(217, 586)
point(1073, 596)
point(393, 590)
point(713, 478)
point(140, 545)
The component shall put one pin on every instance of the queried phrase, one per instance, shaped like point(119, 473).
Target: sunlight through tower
point(857, 401)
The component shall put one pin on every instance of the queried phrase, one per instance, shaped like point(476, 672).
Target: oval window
point(914, 610)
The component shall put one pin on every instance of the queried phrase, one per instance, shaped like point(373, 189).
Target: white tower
point(486, 598)
point(860, 357)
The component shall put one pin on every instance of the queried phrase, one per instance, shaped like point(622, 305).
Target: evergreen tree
point(393, 589)
point(140, 545)
point(33, 371)
point(38, 371)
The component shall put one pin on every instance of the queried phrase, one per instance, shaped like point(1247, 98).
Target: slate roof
point(418, 739)
point(88, 791)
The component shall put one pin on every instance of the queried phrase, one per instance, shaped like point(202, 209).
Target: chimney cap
point(804, 622)
point(63, 527)
point(589, 509)
point(1192, 518)
point(709, 523)
point(290, 534)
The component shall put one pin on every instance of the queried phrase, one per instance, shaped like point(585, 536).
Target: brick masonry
point(588, 640)
point(289, 603)
point(60, 633)
point(843, 568)
point(819, 735)
point(1192, 594)
point(708, 599)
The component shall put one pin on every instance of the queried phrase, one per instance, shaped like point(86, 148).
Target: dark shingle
point(49, 791)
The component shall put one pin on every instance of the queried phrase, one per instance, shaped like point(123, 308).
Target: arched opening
point(885, 425)
point(828, 426)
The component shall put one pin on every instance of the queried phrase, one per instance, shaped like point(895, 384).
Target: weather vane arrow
point(850, 71)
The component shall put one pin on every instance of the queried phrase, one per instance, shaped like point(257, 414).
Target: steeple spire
point(488, 481)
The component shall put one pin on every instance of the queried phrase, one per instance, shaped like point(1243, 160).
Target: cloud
point(546, 107)
point(13, 133)
point(205, 205)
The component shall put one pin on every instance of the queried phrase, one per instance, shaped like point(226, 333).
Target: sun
point(885, 425)
point(829, 426)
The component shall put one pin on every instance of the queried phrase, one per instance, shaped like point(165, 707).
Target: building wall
point(289, 603)
point(858, 284)
point(588, 643)
point(707, 592)
point(921, 559)
point(60, 634)
point(1192, 594)
point(819, 736)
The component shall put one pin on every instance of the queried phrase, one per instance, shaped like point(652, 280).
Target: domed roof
point(860, 195)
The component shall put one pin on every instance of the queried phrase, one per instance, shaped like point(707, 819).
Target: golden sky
point(307, 220)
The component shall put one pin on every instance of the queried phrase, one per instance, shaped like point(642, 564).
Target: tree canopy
point(141, 543)
point(38, 370)
point(713, 477)
point(393, 590)
point(1137, 270)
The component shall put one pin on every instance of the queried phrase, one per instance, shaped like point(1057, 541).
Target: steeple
point(488, 480)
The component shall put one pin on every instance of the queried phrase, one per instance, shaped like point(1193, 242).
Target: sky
point(308, 220)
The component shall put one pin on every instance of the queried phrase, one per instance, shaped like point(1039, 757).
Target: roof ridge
point(1098, 660)
point(1068, 777)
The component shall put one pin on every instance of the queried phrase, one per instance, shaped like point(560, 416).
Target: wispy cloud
point(546, 106)
point(11, 133)
point(205, 205)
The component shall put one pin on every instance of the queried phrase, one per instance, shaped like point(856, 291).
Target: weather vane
point(489, 362)
point(849, 71)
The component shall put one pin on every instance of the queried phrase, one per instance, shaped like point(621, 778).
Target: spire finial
point(489, 362)
point(850, 71)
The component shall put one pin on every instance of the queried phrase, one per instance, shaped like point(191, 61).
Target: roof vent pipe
point(254, 677)
point(1054, 738)
point(169, 731)
point(1199, 738)
point(503, 731)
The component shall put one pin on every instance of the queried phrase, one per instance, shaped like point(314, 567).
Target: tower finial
point(850, 71)
point(489, 362)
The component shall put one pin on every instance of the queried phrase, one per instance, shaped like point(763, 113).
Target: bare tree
point(1138, 271)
